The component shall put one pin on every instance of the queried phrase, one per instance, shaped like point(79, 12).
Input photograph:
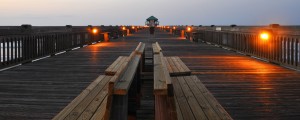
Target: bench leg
point(119, 107)
point(165, 108)
point(161, 112)
point(139, 86)
point(133, 96)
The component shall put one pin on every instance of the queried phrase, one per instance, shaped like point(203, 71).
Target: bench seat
point(115, 66)
point(176, 67)
point(108, 96)
point(194, 101)
point(90, 101)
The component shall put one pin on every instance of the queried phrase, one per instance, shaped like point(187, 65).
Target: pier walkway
point(246, 87)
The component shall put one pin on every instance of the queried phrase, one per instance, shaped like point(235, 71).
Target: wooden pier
point(246, 87)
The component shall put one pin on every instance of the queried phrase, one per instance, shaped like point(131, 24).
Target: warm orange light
point(264, 36)
point(123, 28)
point(174, 28)
point(189, 29)
point(95, 30)
point(132, 27)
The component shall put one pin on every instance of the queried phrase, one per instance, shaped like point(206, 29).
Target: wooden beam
point(123, 85)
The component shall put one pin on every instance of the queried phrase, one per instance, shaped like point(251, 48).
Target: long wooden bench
point(189, 96)
point(163, 90)
point(174, 64)
point(115, 66)
point(176, 67)
point(194, 101)
point(108, 96)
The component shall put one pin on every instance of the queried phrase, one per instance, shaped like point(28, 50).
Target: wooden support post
point(132, 97)
point(105, 36)
point(161, 107)
point(182, 33)
point(119, 107)
point(128, 31)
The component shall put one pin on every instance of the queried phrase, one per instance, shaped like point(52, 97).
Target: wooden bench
point(90, 101)
point(194, 101)
point(163, 91)
point(156, 48)
point(182, 97)
point(176, 67)
point(112, 69)
point(108, 93)
point(174, 64)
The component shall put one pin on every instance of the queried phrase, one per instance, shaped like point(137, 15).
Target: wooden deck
point(39, 90)
point(246, 87)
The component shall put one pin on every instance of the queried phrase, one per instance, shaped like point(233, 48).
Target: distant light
point(124, 28)
point(95, 30)
point(132, 27)
point(265, 36)
point(174, 28)
point(189, 29)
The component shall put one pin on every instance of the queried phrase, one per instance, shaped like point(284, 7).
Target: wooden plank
point(186, 69)
point(173, 66)
point(168, 65)
point(118, 66)
point(211, 99)
point(65, 112)
point(92, 107)
point(75, 113)
point(178, 65)
point(140, 49)
point(166, 75)
point(123, 85)
point(189, 96)
point(160, 86)
point(111, 86)
point(99, 114)
point(158, 46)
point(183, 69)
point(178, 110)
point(119, 107)
point(161, 107)
point(112, 69)
point(186, 111)
point(172, 113)
point(131, 56)
point(205, 105)
point(155, 49)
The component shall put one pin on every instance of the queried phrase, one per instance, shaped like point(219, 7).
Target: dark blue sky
point(134, 12)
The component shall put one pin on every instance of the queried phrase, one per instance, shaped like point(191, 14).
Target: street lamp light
point(264, 36)
point(189, 29)
point(95, 30)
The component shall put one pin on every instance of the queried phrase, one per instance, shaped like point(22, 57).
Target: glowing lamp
point(132, 27)
point(174, 28)
point(124, 28)
point(264, 36)
point(189, 29)
point(95, 31)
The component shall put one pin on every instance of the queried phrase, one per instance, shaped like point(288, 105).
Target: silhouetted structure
point(152, 22)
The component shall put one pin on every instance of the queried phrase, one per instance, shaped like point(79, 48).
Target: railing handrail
point(280, 48)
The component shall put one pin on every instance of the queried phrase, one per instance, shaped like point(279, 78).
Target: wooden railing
point(25, 48)
point(279, 49)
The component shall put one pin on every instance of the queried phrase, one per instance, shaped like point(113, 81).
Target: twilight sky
point(134, 12)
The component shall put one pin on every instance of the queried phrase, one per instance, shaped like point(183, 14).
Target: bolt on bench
point(109, 96)
point(180, 96)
